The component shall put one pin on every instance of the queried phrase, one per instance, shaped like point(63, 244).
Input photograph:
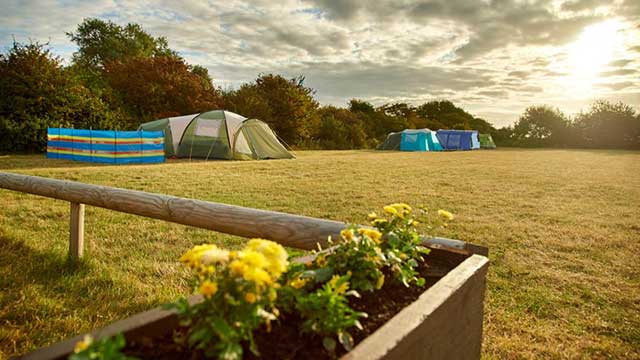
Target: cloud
point(620, 63)
point(519, 74)
point(618, 72)
point(618, 85)
point(471, 52)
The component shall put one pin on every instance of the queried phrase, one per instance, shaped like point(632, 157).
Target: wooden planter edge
point(449, 314)
point(397, 333)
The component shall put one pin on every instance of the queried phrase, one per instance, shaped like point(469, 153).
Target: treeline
point(121, 76)
point(603, 125)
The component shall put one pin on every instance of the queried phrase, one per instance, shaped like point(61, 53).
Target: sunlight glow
point(590, 54)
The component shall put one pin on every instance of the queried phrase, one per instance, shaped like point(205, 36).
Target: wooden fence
point(296, 231)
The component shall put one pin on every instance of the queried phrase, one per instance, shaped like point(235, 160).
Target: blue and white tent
point(419, 140)
point(459, 139)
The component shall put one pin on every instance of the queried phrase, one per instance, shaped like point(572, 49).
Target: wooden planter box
point(444, 322)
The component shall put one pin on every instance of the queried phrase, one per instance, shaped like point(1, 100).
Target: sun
point(594, 49)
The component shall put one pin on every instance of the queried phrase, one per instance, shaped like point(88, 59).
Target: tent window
point(210, 128)
point(411, 138)
point(454, 140)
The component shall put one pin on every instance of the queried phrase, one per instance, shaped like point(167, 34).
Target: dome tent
point(459, 139)
point(412, 140)
point(219, 134)
point(419, 140)
point(486, 141)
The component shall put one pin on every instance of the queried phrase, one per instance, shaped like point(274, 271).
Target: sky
point(494, 58)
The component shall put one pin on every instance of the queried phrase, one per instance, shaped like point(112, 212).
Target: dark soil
point(285, 340)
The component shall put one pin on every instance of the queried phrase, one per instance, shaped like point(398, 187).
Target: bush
point(36, 93)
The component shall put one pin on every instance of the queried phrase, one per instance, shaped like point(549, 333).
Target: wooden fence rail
point(296, 231)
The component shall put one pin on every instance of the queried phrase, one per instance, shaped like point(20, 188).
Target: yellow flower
point(214, 256)
point(347, 234)
point(377, 222)
point(258, 276)
point(340, 289)
point(445, 214)
point(83, 344)
point(374, 235)
point(208, 288)
point(298, 283)
point(391, 210)
point(380, 282)
point(253, 259)
point(274, 253)
point(238, 267)
point(372, 216)
point(250, 297)
point(321, 260)
point(193, 256)
point(401, 207)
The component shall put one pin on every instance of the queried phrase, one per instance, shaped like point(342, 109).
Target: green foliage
point(36, 92)
point(340, 129)
point(285, 104)
point(444, 114)
point(109, 348)
point(318, 290)
point(402, 246)
point(101, 42)
point(604, 125)
point(239, 290)
point(541, 126)
point(608, 124)
point(358, 254)
point(327, 312)
point(161, 86)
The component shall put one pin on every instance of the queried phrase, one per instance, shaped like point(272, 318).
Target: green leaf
point(231, 351)
point(319, 275)
point(197, 336)
point(346, 340)
point(329, 344)
point(222, 328)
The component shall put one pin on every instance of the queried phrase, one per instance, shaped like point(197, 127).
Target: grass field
point(563, 228)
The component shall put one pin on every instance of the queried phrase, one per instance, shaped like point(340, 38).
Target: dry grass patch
point(562, 227)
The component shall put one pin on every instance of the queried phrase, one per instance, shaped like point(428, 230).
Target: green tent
point(218, 134)
point(486, 141)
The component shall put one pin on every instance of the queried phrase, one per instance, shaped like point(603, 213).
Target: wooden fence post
point(76, 230)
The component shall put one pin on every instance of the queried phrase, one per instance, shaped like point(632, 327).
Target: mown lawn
point(563, 229)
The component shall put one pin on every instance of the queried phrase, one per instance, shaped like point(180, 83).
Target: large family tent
point(419, 140)
point(458, 139)
point(391, 142)
point(218, 134)
point(412, 140)
point(486, 141)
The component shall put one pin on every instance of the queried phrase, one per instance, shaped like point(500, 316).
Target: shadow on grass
point(48, 296)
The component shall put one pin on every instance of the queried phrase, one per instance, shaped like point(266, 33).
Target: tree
point(36, 93)
point(608, 124)
point(541, 125)
point(360, 106)
point(101, 42)
point(340, 129)
point(376, 123)
point(285, 104)
point(160, 86)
